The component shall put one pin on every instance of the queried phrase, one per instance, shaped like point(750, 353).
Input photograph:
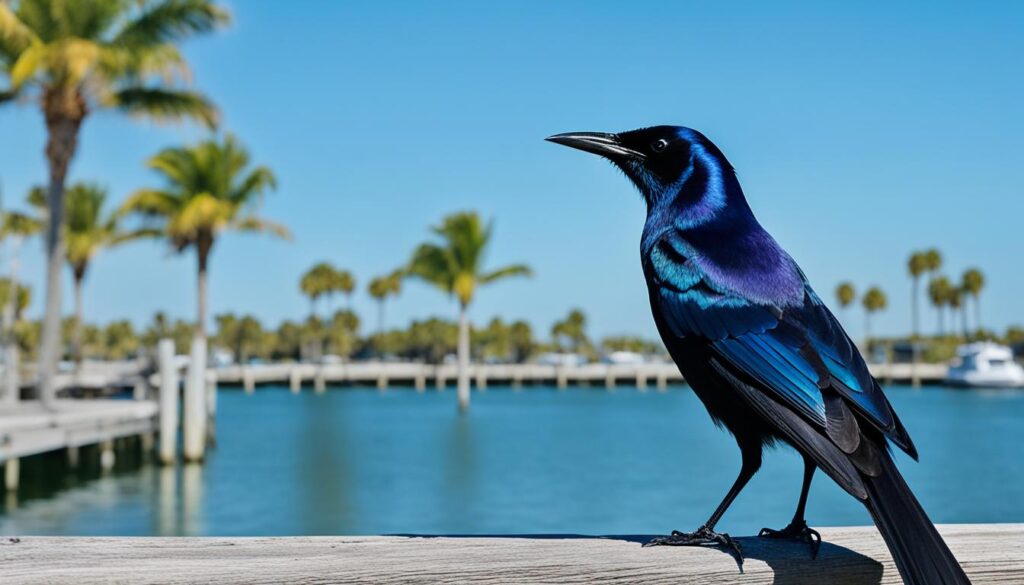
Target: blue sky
point(860, 132)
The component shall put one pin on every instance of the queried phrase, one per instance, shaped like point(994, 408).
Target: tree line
point(951, 300)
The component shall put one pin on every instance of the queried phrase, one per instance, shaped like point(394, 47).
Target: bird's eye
point(659, 145)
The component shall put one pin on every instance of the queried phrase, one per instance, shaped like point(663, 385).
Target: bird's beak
point(600, 143)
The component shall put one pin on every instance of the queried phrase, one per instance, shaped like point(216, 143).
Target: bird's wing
point(799, 354)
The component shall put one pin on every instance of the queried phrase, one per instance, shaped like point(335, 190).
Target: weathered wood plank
point(990, 554)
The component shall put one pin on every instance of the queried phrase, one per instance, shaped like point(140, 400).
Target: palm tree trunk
point(380, 317)
point(915, 380)
point(867, 334)
point(977, 314)
point(463, 351)
point(202, 259)
point(62, 141)
point(77, 335)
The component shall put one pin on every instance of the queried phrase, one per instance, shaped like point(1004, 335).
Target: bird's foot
point(703, 536)
point(799, 532)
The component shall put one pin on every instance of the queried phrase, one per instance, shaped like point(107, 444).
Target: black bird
point(760, 349)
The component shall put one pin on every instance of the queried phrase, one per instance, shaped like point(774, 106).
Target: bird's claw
point(799, 532)
point(701, 537)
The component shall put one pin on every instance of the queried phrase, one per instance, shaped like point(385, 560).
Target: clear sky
point(860, 132)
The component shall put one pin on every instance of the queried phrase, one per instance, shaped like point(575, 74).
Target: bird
point(760, 349)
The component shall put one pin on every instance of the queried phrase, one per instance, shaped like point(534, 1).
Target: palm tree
point(315, 283)
point(916, 266)
point(955, 300)
point(209, 189)
point(87, 231)
point(573, 328)
point(74, 58)
point(845, 295)
point(938, 293)
point(342, 281)
point(874, 300)
point(455, 265)
point(973, 282)
point(932, 264)
point(380, 289)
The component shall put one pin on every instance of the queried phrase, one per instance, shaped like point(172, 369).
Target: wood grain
point(990, 553)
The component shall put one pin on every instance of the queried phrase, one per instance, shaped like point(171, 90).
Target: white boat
point(985, 365)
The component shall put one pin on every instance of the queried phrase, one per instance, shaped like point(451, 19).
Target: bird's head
point(672, 167)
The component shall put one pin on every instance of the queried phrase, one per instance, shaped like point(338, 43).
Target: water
point(536, 461)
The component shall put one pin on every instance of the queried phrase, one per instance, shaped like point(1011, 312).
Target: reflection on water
point(583, 461)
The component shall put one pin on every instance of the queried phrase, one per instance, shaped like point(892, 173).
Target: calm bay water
point(535, 461)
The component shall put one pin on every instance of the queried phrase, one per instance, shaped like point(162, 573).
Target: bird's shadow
point(791, 562)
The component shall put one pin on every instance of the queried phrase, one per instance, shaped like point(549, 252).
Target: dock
point(989, 553)
point(27, 428)
point(423, 376)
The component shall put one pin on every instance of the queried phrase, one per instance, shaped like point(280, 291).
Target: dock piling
point(295, 379)
point(248, 380)
point(194, 432)
point(12, 474)
point(10, 389)
point(168, 402)
point(319, 381)
point(107, 456)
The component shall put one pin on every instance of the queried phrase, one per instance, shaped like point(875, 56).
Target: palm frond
point(258, 181)
point(512, 270)
point(20, 224)
point(7, 95)
point(37, 198)
point(150, 202)
point(133, 235)
point(166, 104)
point(259, 225)
point(15, 35)
point(433, 264)
point(28, 63)
point(169, 21)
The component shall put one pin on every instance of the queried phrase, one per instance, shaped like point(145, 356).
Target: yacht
point(987, 365)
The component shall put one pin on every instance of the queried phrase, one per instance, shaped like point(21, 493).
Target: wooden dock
point(423, 376)
point(990, 554)
point(26, 428)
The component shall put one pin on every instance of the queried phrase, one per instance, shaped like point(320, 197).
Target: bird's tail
point(921, 555)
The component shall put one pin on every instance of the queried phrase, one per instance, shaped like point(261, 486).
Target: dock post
point(517, 379)
point(641, 380)
point(139, 390)
point(11, 390)
point(194, 443)
point(421, 379)
point(439, 380)
point(561, 378)
point(481, 378)
point(72, 455)
point(609, 379)
point(12, 473)
point(168, 402)
point(382, 382)
point(107, 457)
point(662, 381)
point(295, 379)
point(319, 381)
point(146, 444)
point(248, 380)
point(211, 408)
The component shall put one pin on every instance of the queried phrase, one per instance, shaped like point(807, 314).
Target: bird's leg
point(706, 535)
point(798, 529)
